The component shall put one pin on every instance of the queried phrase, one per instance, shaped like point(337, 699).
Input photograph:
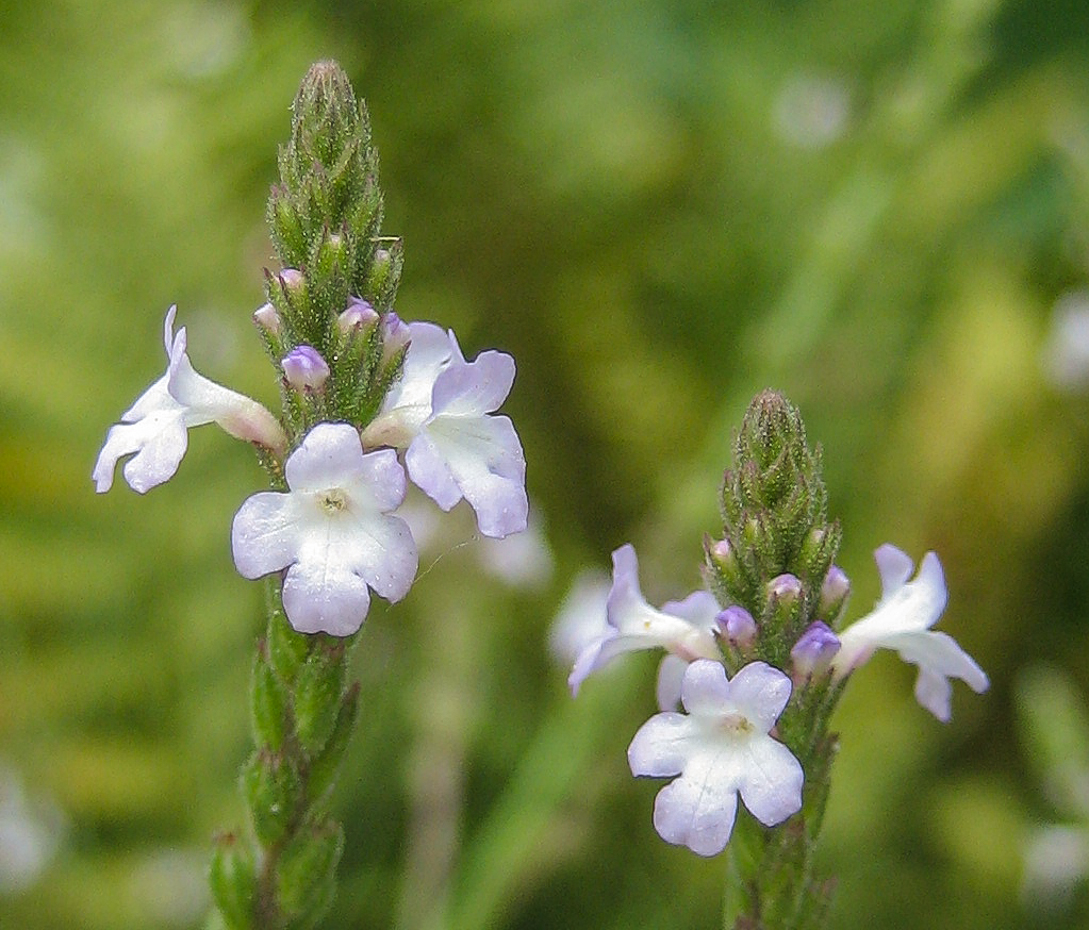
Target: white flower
point(683, 628)
point(901, 620)
point(331, 531)
point(439, 413)
point(721, 748)
point(155, 427)
point(581, 619)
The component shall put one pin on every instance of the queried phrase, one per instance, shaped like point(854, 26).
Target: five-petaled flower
point(155, 427)
point(440, 413)
point(685, 628)
point(721, 748)
point(332, 532)
point(901, 620)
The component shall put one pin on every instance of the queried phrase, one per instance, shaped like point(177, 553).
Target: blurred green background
point(658, 207)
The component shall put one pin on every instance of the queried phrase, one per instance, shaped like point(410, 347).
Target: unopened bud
point(813, 652)
point(359, 314)
point(785, 588)
point(304, 368)
point(395, 335)
point(737, 627)
point(292, 280)
point(834, 593)
point(267, 318)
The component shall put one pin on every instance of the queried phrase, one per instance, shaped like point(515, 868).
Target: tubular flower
point(901, 620)
point(683, 628)
point(721, 748)
point(332, 532)
point(441, 413)
point(155, 427)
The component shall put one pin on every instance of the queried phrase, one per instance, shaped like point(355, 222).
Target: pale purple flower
point(305, 368)
point(721, 748)
point(440, 413)
point(683, 628)
point(155, 427)
point(813, 652)
point(901, 620)
point(332, 532)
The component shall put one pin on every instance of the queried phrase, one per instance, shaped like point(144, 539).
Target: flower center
point(332, 501)
point(737, 724)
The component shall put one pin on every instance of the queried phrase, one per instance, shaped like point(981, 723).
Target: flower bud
point(232, 880)
point(834, 592)
point(267, 318)
point(292, 280)
point(359, 314)
point(785, 599)
point(785, 588)
point(304, 368)
point(737, 626)
point(395, 335)
point(812, 653)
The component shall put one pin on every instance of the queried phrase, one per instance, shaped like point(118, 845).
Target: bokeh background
point(659, 207)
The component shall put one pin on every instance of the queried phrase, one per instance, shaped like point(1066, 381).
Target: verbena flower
point(720, 748)
point(683, 628)
point(440, 413)
point(901, 620)
point(155, 427)
point(332, 532)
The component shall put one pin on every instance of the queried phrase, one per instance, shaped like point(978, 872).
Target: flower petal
point(696, 810)
point(483, 457)
point(771, 784)
point(473, 388)
point(670, 677)
point(266, 533)
point(159, 440)
point(700, 609)
point(330, 456)
point(760, 692)
point(325, 597)
point(660, 746)
point(895, 567)
point(704, 690)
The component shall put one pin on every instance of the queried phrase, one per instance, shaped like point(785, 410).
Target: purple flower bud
point(812, 653)
point(358, 314)
point(395, 335)
point(785, 588)
point(721, 550)
point(292, 279)
point(267, 318)
point(305, 368)
point(737, 626)
point(834, 593)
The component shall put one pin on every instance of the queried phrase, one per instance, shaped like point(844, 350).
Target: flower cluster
point(332, 530)
point(759, 665)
